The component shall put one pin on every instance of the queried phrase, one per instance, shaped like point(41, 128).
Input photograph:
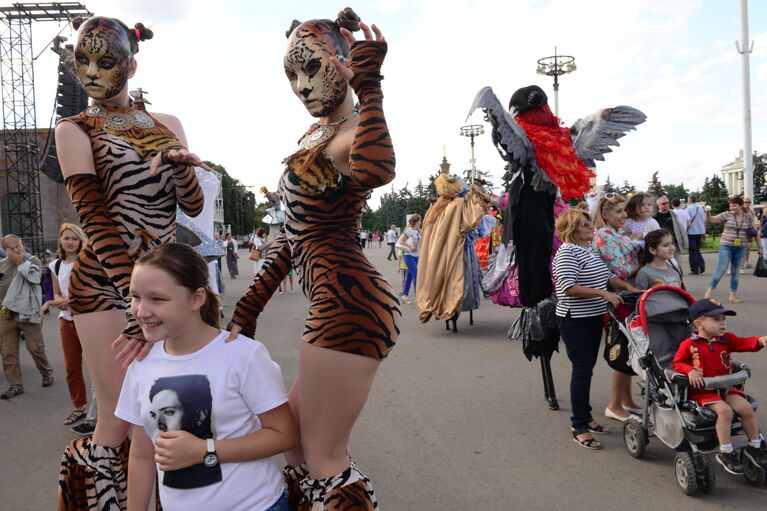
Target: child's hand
point(696, 378)
point(178, 449)
point(762, 342)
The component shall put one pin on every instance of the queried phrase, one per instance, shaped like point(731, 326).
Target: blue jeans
point(411, 262)
point(582, 337)
point(731, 256)
point(281, 504)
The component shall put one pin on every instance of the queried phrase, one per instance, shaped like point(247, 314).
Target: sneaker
point(85, 428)
point(731, 462)
point(48, 379)
point(12, 392)
point(753, 455)
point(741, 271)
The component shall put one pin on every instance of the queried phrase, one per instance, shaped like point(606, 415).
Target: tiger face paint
point(102, 58)
point(313, 77)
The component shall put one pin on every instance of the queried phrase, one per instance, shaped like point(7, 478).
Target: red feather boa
point(555, 153)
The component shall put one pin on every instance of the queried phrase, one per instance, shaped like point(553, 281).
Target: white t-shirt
point(683, 216)
point(63, 277)
point(412, 238)
point(221, 387)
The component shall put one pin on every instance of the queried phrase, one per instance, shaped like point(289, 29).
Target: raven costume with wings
point(546, 160)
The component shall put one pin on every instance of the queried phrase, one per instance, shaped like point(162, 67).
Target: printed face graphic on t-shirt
point(184, 403)
point(166, 410)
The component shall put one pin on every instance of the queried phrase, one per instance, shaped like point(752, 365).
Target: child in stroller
point(706, 354)
point(654, 333)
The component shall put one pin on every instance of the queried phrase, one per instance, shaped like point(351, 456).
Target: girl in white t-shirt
point(409, 243)
point(206, 419)
point(71, 241)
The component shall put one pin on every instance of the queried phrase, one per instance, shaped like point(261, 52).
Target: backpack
point(46, 282)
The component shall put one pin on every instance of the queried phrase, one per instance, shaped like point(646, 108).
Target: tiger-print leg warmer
point(348, 491)
point(293, 477)
point(93, 477)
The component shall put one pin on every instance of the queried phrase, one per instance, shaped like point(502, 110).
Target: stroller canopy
point(664, 312)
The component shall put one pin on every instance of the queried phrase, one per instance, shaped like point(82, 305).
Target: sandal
point(598, 428)
point(589, 443)
point(75, 416)
point(11, 393)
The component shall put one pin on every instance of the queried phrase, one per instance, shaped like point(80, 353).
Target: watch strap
point(211, 446)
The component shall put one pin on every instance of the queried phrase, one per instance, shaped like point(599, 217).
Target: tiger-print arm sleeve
point(189, 194)
point(274, 270)
point(188, 190)
point(89, 202)
point(371, 162)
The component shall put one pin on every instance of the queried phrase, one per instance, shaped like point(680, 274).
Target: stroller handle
point(727, 381)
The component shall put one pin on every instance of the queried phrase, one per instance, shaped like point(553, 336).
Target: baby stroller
point(655, 330)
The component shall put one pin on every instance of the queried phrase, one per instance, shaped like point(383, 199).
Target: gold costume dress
point(439, 290)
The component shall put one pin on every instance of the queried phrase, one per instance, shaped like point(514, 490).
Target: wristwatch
point(211, 458)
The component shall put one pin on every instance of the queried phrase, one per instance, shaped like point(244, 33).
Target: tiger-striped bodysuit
point(353, 309)
point(123, 210)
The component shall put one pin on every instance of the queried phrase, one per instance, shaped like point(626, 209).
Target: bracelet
point(165, 158)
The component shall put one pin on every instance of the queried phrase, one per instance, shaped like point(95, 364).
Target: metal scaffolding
point(22, 153)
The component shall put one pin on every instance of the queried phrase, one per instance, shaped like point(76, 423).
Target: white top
point(574, 264)
point(221, 387)
point(391, 236)
point(63, 277)
point(683, 216)
point(413, 239)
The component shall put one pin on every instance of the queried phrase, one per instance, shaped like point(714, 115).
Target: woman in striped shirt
point(582, 281)
point(732, 245)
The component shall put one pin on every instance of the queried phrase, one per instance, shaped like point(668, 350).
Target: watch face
point(210, 460)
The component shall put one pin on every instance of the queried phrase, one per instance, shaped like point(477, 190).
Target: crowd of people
point(207, 406)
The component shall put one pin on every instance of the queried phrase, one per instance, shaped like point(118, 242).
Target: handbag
point(255, 255)
point(751, 232)
point(761, 267)
point(616, 351)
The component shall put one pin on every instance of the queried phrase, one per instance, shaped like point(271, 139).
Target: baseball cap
point(706, 307)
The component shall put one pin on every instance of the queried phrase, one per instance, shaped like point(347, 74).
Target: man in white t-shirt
point(391, 240)
point(681, 213)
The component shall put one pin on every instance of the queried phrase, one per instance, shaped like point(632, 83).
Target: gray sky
point(218, 67)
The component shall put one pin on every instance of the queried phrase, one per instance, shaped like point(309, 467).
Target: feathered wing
point(594, 135)
point(510, 139)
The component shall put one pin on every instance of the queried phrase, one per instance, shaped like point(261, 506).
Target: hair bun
point(143, 32)
point(77, 22)
point(349, 20)
point(293, 26)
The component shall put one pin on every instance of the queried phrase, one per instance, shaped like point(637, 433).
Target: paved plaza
point(454, 421)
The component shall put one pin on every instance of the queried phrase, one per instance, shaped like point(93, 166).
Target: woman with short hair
point(732, 245)
point(582, 282)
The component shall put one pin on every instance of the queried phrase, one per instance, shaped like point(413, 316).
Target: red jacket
point(711, 357)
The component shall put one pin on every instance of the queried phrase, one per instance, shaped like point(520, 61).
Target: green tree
point(655, 188)
point(609, 186)
point(507, 176)
point(239, 203)
point(626, 188)
point(760, 169)
point(714, 194)
point(677, 192)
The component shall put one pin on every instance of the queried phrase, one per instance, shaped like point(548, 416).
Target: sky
point(218, 67)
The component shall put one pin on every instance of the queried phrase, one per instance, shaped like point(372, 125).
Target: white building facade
point(732, 174)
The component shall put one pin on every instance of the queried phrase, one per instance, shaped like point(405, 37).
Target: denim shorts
point(281, 504)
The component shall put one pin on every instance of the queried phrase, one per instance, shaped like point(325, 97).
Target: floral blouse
point(616, 250)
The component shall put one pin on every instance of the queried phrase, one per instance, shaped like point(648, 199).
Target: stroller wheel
point(635, 438)
point(705, 473)
point(756, 475)
point(684, 465)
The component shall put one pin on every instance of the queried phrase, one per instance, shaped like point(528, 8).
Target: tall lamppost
point(556, 66)
point(471, 131)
